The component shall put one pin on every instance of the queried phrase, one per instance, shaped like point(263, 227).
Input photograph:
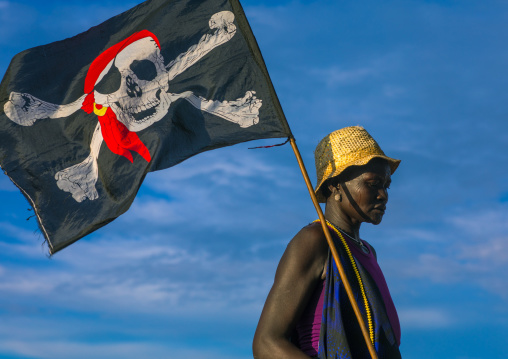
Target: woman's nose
point(383, 194)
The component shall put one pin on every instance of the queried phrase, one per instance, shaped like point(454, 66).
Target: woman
point(307, 313)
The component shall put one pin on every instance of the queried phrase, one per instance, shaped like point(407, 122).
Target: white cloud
point(438, 269)
point(334, 75)
point(467, 249)
point(484, 239)
point(17, 242)
point(268, 18)
point(16, 232)
point(116, 275)
point(414, 234)
point(424, 318)
point(223, 167)
point(481, 224)
point(455, 263)
point(24, 286)
point(156, 210)
point(228, 186)
point(54, 349)
point(393, 90)
point(492, 251)
point(485, 263)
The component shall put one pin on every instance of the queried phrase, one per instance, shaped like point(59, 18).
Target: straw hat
point(350, 146)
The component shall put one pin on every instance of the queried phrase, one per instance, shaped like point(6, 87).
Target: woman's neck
point(338, 219)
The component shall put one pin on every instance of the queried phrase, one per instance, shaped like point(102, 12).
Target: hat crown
point(349, 146)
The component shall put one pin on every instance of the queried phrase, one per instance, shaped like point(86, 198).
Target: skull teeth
point(143, 107)
point(144, 116)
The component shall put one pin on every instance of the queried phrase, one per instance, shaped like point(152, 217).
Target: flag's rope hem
point(279, 144)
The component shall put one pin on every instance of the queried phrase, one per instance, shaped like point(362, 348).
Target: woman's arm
point(299, 272)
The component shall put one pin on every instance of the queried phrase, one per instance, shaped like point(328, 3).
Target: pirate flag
point(83, 120)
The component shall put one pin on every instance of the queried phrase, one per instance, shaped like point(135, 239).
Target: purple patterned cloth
point(340, 335)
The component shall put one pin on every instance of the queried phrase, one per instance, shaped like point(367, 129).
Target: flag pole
point(335, 255)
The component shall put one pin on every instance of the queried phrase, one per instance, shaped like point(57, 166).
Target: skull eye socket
point(110, 82)
point(144, 69)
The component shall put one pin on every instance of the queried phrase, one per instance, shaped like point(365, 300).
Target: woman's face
point(365, 196)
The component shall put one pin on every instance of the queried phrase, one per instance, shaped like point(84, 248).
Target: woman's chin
point(376, 220)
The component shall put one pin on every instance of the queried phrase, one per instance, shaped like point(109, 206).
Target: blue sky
point(185, 272)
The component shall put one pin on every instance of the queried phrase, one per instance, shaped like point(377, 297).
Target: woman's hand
point(300, 270)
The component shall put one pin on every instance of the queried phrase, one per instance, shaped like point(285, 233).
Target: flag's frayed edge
point(39, 219)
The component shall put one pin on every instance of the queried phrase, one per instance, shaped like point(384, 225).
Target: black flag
point(83, 120)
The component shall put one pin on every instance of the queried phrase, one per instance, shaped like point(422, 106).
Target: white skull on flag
point(142, 96)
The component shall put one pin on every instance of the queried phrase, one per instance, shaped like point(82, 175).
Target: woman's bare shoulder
point(311, 235)
point(308, 249)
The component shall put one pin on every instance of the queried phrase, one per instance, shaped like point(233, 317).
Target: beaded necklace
point(357, 241)
point(360, 282)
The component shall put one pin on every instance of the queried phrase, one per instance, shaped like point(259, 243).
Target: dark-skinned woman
point(307, 313)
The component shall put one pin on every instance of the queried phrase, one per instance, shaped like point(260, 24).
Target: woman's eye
point(378, 184)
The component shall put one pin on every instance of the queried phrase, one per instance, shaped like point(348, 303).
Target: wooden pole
point(329, 239)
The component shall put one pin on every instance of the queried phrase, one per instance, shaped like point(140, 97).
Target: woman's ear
point(336, 192)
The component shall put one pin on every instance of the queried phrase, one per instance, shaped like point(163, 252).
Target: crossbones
point(140, 99)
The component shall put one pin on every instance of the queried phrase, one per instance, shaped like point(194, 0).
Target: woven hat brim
point(392, 162)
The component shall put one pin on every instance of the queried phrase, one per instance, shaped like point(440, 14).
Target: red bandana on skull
point(117, 136)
